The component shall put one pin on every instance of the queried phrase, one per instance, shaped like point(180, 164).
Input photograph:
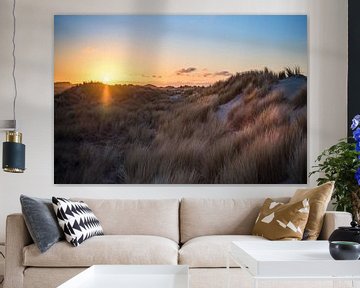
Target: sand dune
point(60, 87)
point(248, 129)
point(289, 87)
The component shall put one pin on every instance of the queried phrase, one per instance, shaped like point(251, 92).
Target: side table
point(292, 264)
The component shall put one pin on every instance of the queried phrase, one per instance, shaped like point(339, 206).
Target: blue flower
point(357, 176)
point(356, 134)
point(355, 122)
point(357, 147)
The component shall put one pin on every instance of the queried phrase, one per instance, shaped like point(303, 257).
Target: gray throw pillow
point(41, 221)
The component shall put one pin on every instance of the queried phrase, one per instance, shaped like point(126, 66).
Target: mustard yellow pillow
point(279, 221)
point(319, 198)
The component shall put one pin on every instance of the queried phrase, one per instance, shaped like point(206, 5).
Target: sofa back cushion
point(158, 217)
point(200, 217)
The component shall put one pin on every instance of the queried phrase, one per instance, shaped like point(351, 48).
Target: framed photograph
point(180, 99)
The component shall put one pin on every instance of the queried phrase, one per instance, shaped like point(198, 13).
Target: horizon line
point(150, 84)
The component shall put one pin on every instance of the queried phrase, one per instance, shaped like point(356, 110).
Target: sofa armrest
point(17, 237)
point(333, 220)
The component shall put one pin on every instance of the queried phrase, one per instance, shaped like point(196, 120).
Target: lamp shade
point(13, 153)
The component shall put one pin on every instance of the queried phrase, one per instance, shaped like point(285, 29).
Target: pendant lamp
point(13, 160)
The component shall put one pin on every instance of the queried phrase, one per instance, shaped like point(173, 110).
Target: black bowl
point(343, 250)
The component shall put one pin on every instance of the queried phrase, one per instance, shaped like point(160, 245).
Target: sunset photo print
point(180, 99)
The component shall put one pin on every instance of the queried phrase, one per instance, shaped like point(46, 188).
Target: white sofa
point(194, 232)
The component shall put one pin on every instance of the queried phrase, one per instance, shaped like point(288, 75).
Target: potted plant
point(341, 163)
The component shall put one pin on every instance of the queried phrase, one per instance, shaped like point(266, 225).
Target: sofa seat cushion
point(108, 249)
point(158, 217)
point(206, 217)
point(211, 251)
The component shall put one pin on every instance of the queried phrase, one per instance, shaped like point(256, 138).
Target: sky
point(175, 50)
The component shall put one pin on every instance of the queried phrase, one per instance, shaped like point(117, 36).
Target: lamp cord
point(14, 61)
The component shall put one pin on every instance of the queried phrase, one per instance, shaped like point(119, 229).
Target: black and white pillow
point(77, 220)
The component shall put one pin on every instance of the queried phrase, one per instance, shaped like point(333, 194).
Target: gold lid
point(13, 170)
point(14, 136)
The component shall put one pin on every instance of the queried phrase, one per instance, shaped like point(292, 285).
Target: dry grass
point(137, 134)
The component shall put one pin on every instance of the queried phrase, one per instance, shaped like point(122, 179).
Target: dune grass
point(139, 134)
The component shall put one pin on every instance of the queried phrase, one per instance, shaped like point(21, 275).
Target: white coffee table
point(131, 276)
point(292, 260)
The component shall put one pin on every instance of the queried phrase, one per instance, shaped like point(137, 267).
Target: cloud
point(222, 73)
point(185, 71)
point(219, 73)
point(207, 74)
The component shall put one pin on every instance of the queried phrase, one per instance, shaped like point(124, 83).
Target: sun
point(106, 79)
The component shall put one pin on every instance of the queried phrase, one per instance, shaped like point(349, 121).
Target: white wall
point(327, 87)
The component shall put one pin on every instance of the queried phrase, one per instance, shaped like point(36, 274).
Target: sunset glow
point(106, 97)
point(174, 50)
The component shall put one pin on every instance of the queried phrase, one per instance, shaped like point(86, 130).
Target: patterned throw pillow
point(319, 198)
point(77, 220)
point(279, 221)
